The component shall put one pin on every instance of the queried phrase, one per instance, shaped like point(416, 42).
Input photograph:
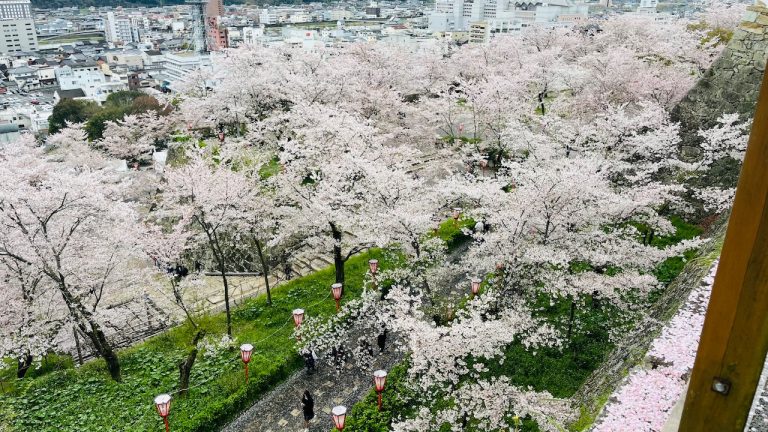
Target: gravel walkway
point(758, 415)
point(280, 410)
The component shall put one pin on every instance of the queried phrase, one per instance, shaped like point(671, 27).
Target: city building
point(178, 66)
point(18, 27)
point(268, 17)
point(25, 77)
point(479, 32)
point(648, 6)
point(125, 29)
point(87, 76)
point(504, 15)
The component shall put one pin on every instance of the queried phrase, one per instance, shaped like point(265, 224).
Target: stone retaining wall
point(633, 347)
point(732, 84)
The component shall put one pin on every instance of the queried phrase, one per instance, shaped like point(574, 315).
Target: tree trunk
point(23, 366)
point(570, 320)
point(218, 254)
point(185, 367)
point(90, 328)
point(338, 258)
point(223, 272)
point(77, 345)
point(265, 270)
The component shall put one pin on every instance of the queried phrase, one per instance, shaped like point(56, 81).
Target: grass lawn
point(86, 399)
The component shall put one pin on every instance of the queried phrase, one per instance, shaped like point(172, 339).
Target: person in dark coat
point(308, 407)
point(381, 340)
point(309, 361)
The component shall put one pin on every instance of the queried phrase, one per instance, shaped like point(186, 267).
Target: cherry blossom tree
point(72, 229)
point(208, 200)
point(136, 137)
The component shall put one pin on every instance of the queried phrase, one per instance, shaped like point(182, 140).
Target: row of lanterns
point(338, 413)
point(163, 401)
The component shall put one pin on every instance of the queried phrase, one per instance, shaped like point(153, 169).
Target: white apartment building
point(17, 27)
point(251, 35)
point(120, 30)
point(338, 15)
point(87, 77)
point(648, 6)
point(27, 117)
point(268, 17)
point(504, 15)
point(15, 9)
point(178, 66)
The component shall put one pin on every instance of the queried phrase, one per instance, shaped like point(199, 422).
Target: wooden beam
point(734, 339)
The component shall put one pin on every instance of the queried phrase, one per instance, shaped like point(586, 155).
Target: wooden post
point(734, 339)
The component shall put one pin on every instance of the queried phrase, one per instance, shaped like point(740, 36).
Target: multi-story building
point(17, 27)
point(479, 32)
point(251, 35)
point(504, 15)
point(15, 9)
point(178, 66)
point(25, 77)
point(648, 6)
point(268, 17)
point(124, 29)
point(86, 76)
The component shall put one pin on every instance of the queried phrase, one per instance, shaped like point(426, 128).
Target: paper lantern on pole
point(245, 354)
point(456, 213)
point(336, 290)
point(163, 406)
point(373, 265)
point(475, 286)
point(379, 380)
point(339, 416)
point(298, 317)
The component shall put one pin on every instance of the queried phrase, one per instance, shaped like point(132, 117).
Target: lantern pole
point(337, 290)
point(339, 416)
point(163, 406)
point(475, 286)
point(379, 380)
point(298, 318)
point(245, 354)
point(373, 266)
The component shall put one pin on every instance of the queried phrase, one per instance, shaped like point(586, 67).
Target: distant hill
point(55, 4)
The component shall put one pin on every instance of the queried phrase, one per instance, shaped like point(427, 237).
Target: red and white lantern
point(298, 317)
point(373, 265)
point(475, 286)
point(245, 354)
point(339, 416)
point(163, 406)
point(483, 163)
point(337, 290)
point(456, 213)
point(379, 380)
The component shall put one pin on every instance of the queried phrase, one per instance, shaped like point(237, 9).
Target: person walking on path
point(381, 340)
point(309, 360)
point(308, 408)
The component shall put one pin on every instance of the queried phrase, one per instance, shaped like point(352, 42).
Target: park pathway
point(280, 409)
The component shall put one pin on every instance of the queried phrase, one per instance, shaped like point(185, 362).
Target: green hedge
point(85, 399)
